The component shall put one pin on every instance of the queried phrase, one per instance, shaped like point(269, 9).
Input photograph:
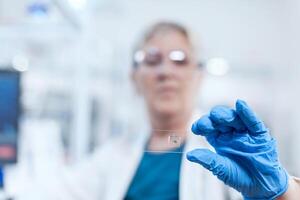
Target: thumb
point(213, 162)
point(254, 124)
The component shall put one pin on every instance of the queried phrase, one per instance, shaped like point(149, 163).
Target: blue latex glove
point(246, 156)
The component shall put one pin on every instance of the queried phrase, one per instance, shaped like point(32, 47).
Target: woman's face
point(169, 88)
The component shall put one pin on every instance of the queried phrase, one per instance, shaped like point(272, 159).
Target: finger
point(226, 117)
point(226, 169)
point(249, 118)
point(211, 161)
point(204, 127)
point(224, 129)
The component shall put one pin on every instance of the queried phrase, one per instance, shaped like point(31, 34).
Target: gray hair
point(161, 28)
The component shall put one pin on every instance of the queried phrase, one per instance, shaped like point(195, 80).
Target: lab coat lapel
point(196, 182)
point(124, 165)
point(191, 175)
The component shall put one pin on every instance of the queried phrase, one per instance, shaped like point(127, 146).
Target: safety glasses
point(153, 57)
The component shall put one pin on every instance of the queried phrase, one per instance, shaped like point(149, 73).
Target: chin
point(168, 109)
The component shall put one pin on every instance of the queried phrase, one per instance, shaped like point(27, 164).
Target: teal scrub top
point(157, 177)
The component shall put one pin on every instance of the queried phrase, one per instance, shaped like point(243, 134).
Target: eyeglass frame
point(139, 56)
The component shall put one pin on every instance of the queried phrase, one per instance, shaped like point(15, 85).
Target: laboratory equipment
point(9, 115)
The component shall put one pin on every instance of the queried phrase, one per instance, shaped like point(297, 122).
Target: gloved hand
point(246, 156)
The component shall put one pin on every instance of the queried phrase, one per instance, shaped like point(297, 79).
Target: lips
point(165, 90)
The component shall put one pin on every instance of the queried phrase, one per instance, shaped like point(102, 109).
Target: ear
point(134, 80)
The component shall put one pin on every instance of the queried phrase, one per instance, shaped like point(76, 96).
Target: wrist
point(293, 191)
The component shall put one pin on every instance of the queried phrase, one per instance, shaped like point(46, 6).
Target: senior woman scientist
point(166, 74)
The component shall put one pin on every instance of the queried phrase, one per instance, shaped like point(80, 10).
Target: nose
point(165, 71)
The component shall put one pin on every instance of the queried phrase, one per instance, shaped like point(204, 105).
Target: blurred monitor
point(9, 115)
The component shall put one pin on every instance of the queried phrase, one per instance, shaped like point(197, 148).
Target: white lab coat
point(108, 173)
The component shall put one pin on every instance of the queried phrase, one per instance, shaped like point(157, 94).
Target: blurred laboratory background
point(65, 65)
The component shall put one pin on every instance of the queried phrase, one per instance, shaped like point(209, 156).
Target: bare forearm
point(293, 192)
